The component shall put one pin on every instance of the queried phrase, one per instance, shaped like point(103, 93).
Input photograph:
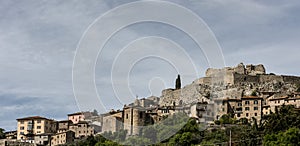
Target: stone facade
point(241, 91)
point(82, 129)
point(42, 139)
point(112, 121)
point(233, 83)
point(62, 138)
point(30, 126)
point(245, 107)
point(134, 118)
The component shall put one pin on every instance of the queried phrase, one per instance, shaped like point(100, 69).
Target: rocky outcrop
point(237, 82)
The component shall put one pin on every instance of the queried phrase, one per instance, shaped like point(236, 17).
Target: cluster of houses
point(196, 100)
point(255, 106)
point(38, 130)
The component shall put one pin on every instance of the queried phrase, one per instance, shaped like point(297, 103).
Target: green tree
point(2, 135)
point(284, 118)
point(178, 83)
point(150, 133)
point(254, 93)
point(137, 141)
point(291, 137)
point(226, 119)
point(214, 136)
point(107, 143)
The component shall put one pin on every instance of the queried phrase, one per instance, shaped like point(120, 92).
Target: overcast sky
point(38, 41)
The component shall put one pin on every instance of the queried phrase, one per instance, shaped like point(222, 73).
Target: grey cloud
point(38, 41)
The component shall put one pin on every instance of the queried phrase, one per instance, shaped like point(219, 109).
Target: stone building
point(276, 102)
point(245, 107)
point(14, 142)
point(30, 126)
point(112, 121)
point(62, 138)
point(198, 110)
point(81, 129)
point(42, 139)
point(64, 125)
point(11, 134)
point(79, 116)
point(134, 118)
point(244, 91)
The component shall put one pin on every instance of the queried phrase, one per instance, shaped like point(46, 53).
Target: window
point(126, 116)
point(22, 122)
point(247, 102)
point(223, 109)
point(255, 108)
point(38, 121)
point(247, 114)
point(255, 101)
point(22, 128)
point(38, 127)
point(238, 115)
point(255, 114)
point(21, 133)
point(141, 114)
point(247, 108)
point(240, 104)
point(38, 132)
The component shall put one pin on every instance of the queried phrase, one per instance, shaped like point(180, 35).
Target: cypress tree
point(178, 83)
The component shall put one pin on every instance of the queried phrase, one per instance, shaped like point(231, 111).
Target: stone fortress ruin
point(232, 82)
point(244, 91)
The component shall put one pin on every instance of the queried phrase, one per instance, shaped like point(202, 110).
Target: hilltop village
point(244, 91)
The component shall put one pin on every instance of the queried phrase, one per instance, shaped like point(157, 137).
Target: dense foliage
point(2, 135)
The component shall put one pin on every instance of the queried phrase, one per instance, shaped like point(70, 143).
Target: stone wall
point(134, 119)
point(270, 78)
point(255, 69)
point(112, 123)
point(189, 94)
point(291, 79)
point(239, 78)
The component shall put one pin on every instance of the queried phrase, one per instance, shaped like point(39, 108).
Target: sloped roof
point(33, 118)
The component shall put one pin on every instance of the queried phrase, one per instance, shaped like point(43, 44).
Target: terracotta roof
point(64, 121)
point(77, 113)
point(33, 118)
point(297, 93)
point(251, 97)
point(279, 98)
